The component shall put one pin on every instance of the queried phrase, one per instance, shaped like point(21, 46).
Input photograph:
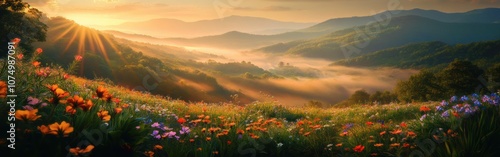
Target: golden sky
point(110, 12)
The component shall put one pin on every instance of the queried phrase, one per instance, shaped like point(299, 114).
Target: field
point(59, 114)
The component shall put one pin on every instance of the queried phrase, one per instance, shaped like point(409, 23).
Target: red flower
point(359, 148)
point(20, 56)
point(181, 120)
point(403, 124)
point(16, 40)
point(369, 123)
point(78, 58)
point(425, 109)
point(39, 51)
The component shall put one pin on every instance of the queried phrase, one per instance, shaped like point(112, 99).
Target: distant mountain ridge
point(400, 31)
point(165, 27)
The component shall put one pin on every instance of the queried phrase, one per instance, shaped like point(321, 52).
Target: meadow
point(60, 114)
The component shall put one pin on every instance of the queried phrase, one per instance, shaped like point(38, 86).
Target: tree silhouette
point(20, 20)
point(460, 77)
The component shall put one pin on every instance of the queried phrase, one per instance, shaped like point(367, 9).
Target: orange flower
point(191, 140)
point(77, 150)
point(411, 134)
point(299, 123)
point(240, 131)
point(406, 145)
point(39, 51)
point(181, 120)
point(383, 133)
point(456, 114)
point(103, 93)
point(75, 102)
point(345, 133)
point(208, 138)
point(3, 89)
point(403, 124)
point(125, 105)
point(104, 115)
point(425, 109)
point(396, 132)
point(307, 133)
point(229, 142)
point(158, 147)
point(231, 124)
point(118, 110)
point(338, 145)
point(27, 115)
point(395, 145)
point(36, 63)
point(54, 129)
point(149, 153)
point(378, 145)
point(16, 40)
point(359, 148)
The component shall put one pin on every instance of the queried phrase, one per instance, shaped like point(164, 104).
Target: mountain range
point(173, 28)
point(239, 39)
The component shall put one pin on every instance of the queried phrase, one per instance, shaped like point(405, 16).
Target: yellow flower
point(46, 130)
point(27, 115)
point(77, 150)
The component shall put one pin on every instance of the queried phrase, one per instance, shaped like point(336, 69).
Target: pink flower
point(78, 58)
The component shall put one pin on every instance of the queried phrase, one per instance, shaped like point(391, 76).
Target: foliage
point(19, 20)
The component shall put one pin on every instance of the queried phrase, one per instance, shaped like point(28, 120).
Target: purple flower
point(27, 107)
point(155, 132)
point(155, 125)
point(439, 108)
point(477, 103)
point(157, 136)
point(423, 117)
point(445, 114)
point(43, 104)
point(171, 134)
point(444, 103)
point(33, 101)
point(165, 128)
point(184, 130)
point(486, 98)
point(453, 99)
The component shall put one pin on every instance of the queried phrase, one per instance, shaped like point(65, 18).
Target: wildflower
point(425, 109)
point(20, 56)
point(396, 132)
point(27, 115)
point(215, 152)
point(39, 51)
point(199, 149)
point(423, 117)
point(3, 89)
point(378, 145)
point(171, 134)
point(228, 142)
point(149, 153)
point(338, 145)
point(155, 125)
point(16, 40)
point(345, 133)
point(383, 133)
point(395, 145)
point(36, 64)
point(104, 115)
point(66, 76)
point(78, 58)
point(369, 123)
point(411, 134)
point(191, 140)
point(181, 120)
point(406, 145)
point(300, 123)
point(358, 148)
point(208, 139)
point(77, 150)
point(464, 98)
point(103, 93)
point(118, 110)
point(403, 124)
point(307, 133)
point(158, 147)
point(184, 130)
point(279, 145)
point(55, 128)
point(75, 102)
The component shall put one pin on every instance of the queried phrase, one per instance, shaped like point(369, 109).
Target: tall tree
point(461, 77)
point(20, 20)
point(423, 86)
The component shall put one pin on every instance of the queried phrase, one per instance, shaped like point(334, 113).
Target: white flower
point(279, 145)
point(329, 145)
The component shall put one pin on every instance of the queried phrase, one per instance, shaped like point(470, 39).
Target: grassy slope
point(269, 129)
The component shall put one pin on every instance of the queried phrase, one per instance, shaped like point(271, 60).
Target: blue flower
point(464, 98)
point(477, 103)
point(453, 99)
point(445, 114)
point(155, 132)
point(439, 108)
point(184, 130)
point(444, 103)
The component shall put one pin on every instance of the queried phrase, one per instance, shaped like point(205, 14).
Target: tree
point(20, 20)
point(359, 96)
point(423, 86)
point(460, 77)
point(494, 77)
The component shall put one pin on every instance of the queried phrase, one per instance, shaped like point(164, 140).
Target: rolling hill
point(400, 31)
point(428, 54)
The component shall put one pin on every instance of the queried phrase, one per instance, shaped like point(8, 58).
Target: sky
point(111, 12)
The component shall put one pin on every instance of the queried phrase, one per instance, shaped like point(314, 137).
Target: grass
point(122, 122)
